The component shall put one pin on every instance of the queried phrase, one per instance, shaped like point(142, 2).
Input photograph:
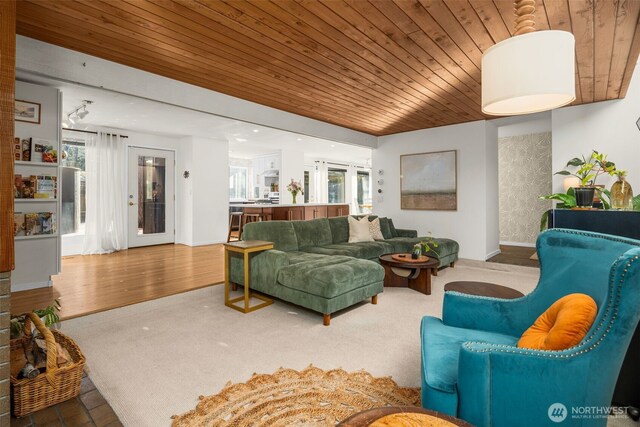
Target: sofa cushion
point(296, 257)
point(375, 230)
point(441, 350)
point(331, 276)
point(339, 229)
point(384, 227)
point(362, 250)
point(405, 244)
point(359, 230)
point(315, 232)
point(281, 233)
point(392, 228)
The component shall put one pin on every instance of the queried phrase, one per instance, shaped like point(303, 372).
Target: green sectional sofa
point(313, 265)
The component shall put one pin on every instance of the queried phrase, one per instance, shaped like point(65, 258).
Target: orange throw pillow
point(563, 325)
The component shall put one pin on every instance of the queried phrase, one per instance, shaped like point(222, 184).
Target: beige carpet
point(153, 360)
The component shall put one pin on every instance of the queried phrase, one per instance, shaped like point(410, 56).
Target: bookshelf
point(38, 256)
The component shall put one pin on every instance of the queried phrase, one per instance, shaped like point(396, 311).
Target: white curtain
point(322, 182)
point(105, 229)
point(351, 190)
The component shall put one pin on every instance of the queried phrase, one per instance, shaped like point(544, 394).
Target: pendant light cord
point(525, 19)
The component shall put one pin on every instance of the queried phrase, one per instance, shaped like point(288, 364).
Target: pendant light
point(529, 72)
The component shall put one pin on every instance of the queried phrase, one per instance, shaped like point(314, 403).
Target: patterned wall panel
point(524, 173)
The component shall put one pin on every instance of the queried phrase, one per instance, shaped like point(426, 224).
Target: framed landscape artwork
point(26, 111)
point(428, 181)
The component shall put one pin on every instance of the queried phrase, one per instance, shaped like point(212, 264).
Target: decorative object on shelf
point(428, 181)
point(294, 187)
point(588, 171)
point(18, 224)
point(621, 192)
point(417, 251)
point(27, 111)
point(35, 187)
point(530, 72)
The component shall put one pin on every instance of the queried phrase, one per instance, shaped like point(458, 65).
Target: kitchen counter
point(274, 205)
point(289, 212)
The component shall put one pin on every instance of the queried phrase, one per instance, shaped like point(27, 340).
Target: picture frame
point(429, 181)
point(27, 111)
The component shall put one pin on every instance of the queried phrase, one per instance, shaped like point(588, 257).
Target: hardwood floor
point(89, 284)
point(516, 255)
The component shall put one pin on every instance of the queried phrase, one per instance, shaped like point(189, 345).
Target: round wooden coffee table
point(414, 275)
point(389, 416)
point(483, 289)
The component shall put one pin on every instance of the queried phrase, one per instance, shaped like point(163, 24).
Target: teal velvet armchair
point(473, 369)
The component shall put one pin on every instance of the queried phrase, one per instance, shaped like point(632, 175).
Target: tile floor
point(89, 409)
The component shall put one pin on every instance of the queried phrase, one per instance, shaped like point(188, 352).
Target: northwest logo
point(557, 412)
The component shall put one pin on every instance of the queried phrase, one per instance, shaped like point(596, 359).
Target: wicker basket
point(56, 384)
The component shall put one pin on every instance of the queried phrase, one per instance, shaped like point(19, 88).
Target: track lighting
point(78, 113)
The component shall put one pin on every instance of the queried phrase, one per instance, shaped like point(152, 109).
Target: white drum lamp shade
point(529, 73)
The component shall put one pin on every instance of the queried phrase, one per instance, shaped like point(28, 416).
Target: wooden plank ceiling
point(376, 66)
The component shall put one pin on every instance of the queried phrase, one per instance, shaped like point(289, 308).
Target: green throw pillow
point(394, 232)
point(384, 227)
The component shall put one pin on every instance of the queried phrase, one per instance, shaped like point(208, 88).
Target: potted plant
point(49, 316)
point(588, 171)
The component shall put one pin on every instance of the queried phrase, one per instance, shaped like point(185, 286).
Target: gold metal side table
point(246, 248)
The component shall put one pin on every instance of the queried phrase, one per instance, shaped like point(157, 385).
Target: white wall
point(64, 64)
point(203, 208)
point(292, 166)
point(37, 259)
point(474, 225)
point(609, 127)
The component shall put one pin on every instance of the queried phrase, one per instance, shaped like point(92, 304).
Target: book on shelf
point(46, 187)
point(26, 149)
point(31, 227)
point(17, 148)
point(18, 224)
point(39, 223)
point(43, 150)
point(24, 187)
point(47, 222)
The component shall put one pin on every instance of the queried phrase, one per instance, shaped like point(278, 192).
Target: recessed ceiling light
point(256, 130)
point(241, 140)
point(299, 139)
point(333, 145)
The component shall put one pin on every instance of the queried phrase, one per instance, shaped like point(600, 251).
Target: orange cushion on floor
point(563, 325)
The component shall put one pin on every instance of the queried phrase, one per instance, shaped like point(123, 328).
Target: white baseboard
point(17, 287)
point(524, 245)
point(492, 254)
point(211, 242)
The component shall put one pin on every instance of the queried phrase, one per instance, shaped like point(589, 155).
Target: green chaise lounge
point(313, 265)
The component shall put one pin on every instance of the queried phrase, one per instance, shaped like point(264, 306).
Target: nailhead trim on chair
point(580, 348)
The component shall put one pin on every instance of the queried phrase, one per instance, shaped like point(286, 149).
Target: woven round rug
point(311, 397)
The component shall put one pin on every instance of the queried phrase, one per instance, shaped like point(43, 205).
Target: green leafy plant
point(589, 169)
point(636, 203)
point(567, 201)
point(49, 316)
point(429, 245)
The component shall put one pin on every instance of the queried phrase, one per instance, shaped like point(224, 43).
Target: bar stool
point(251, 217)
point(233, 215)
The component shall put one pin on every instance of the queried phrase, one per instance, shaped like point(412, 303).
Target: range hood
point(271, 173)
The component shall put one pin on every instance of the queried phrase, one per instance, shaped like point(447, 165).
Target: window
point(364, 191)
point(237, 182)
point(73, 192)
point(337, 179)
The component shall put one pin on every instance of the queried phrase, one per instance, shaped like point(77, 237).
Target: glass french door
point(151, 200)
